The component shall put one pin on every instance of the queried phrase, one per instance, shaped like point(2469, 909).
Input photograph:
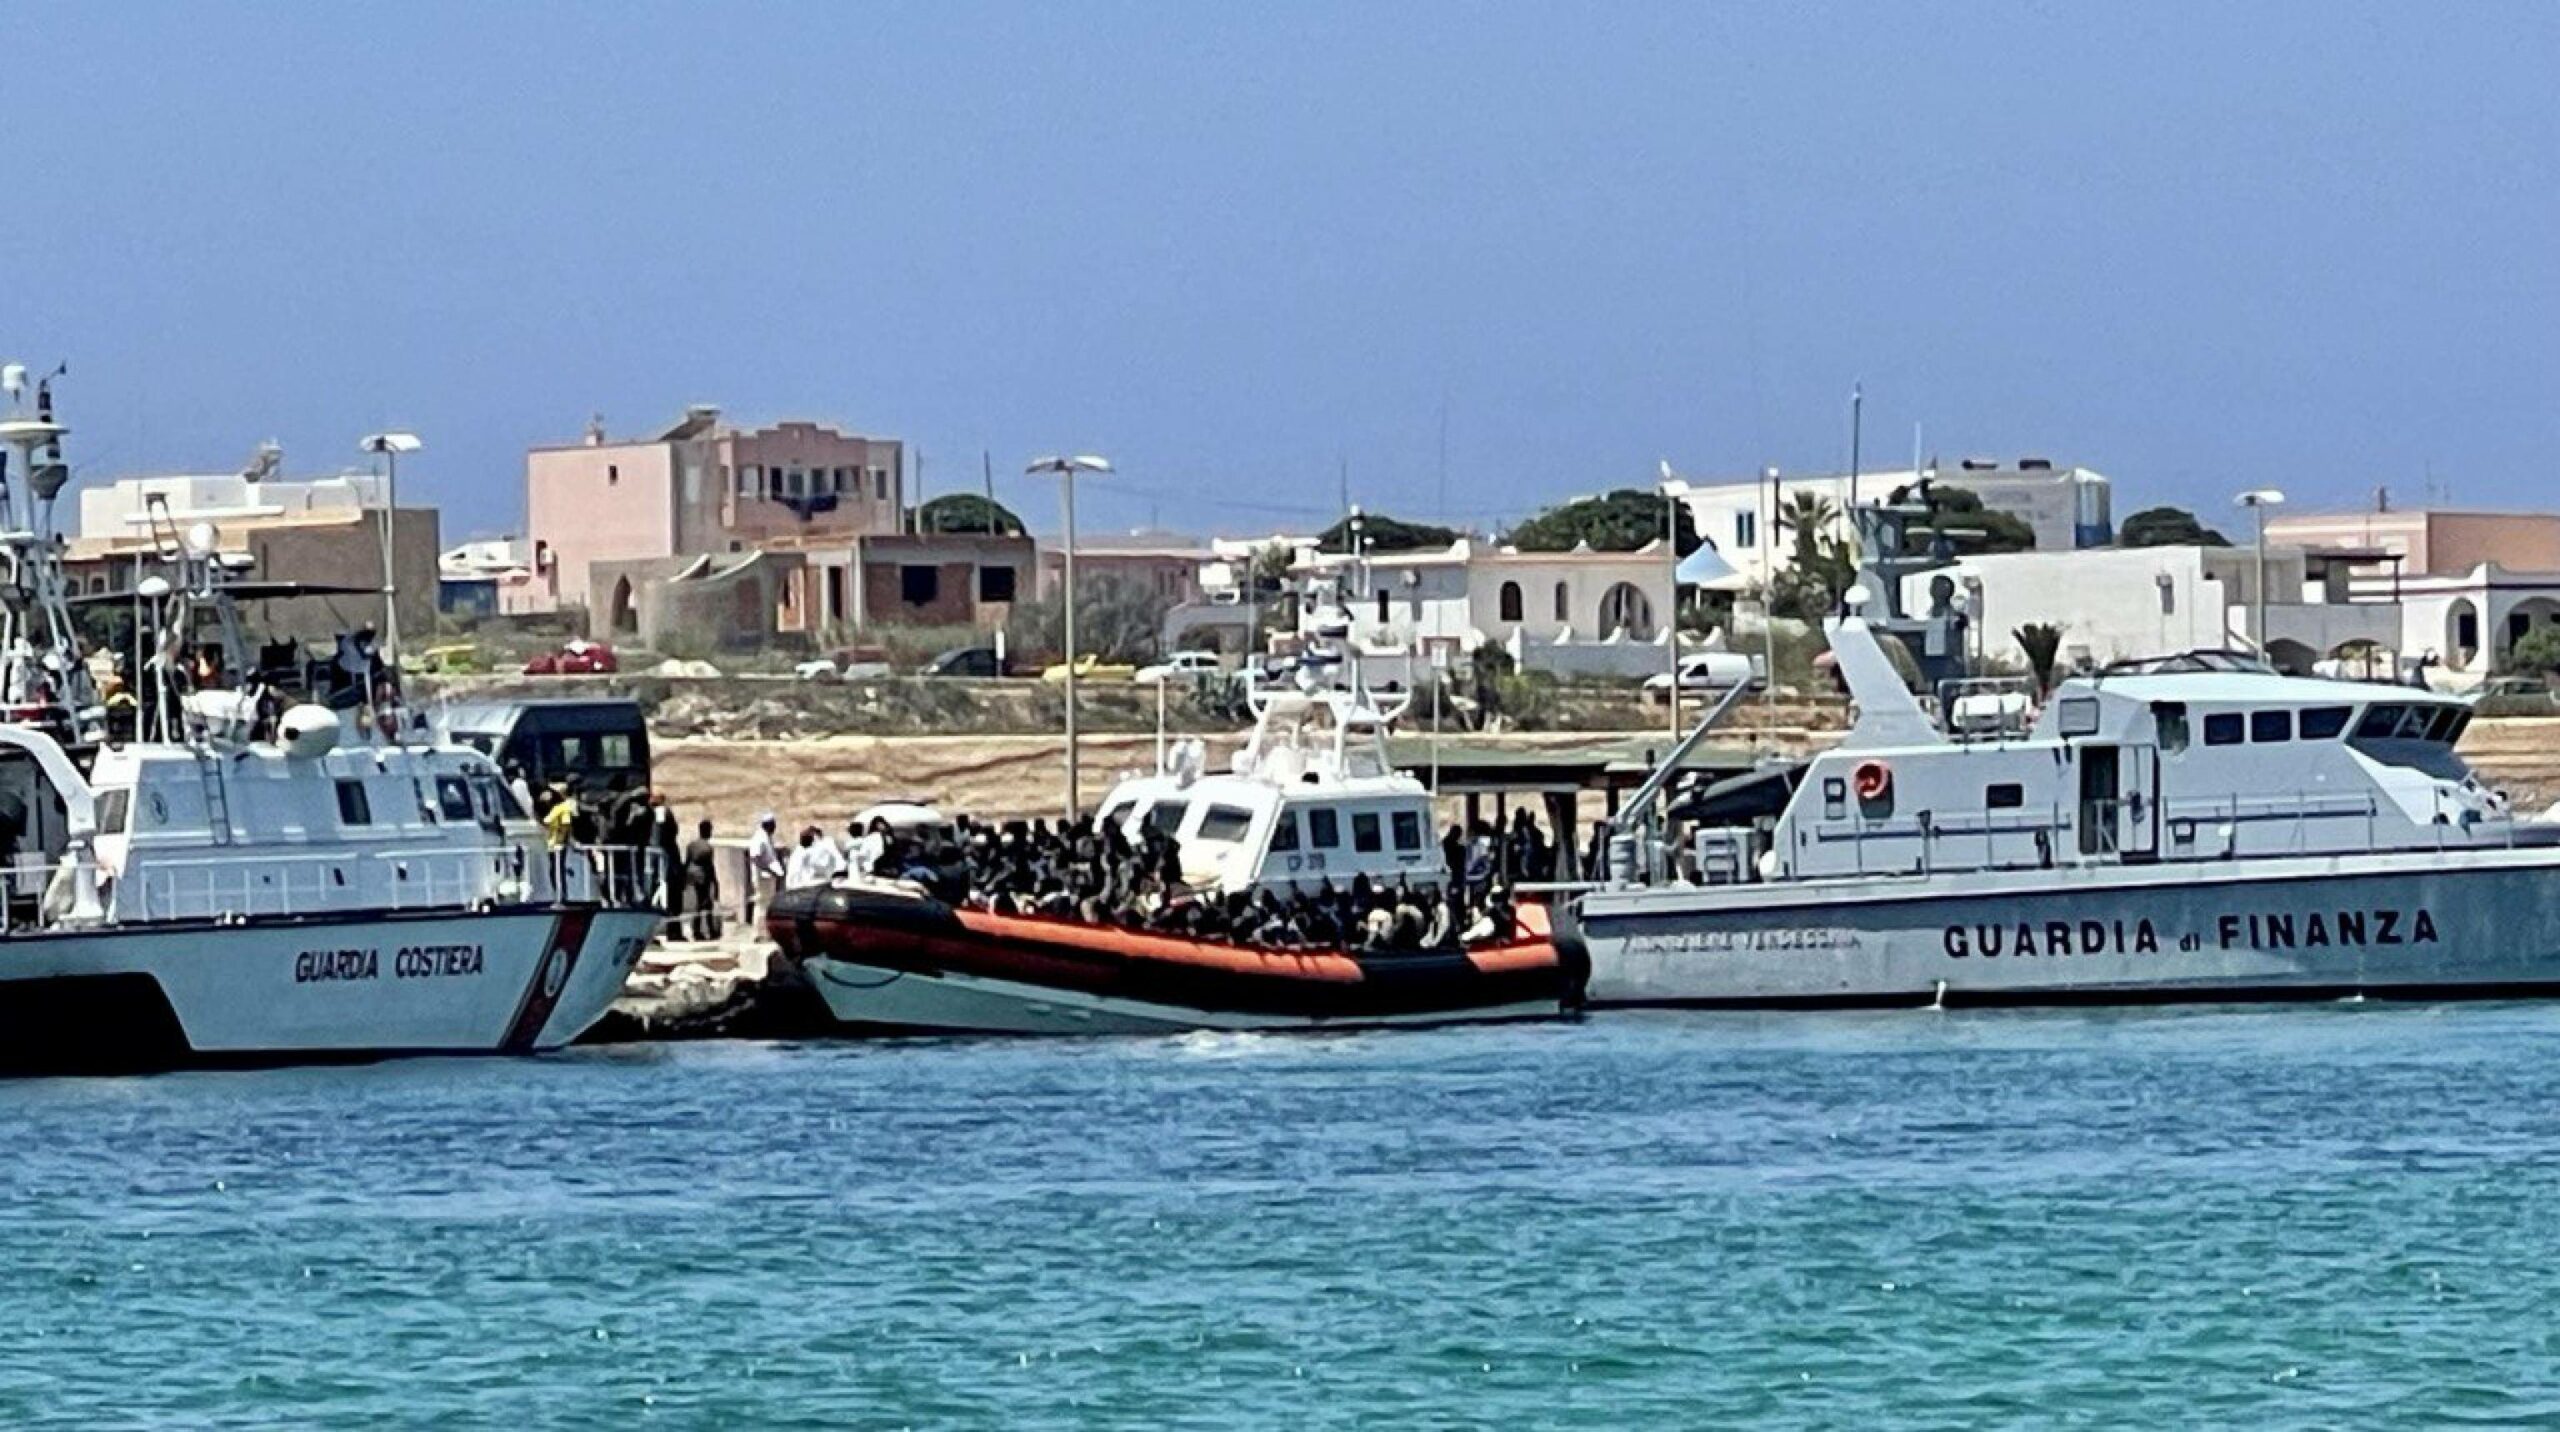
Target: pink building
point(699, 487)
point(2428, 541)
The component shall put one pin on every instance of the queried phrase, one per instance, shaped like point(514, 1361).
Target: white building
point(2068, 507)
point(1577, 611)
point(122, 508)
point(2118, 603)
point(2470, 621)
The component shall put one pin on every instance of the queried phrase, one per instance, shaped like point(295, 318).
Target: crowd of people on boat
point(1099, 874)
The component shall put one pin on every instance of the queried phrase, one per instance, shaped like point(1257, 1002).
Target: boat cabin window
point(1284, 832)
point(1408, 829)
point(353, 807)
point(1364, 831)
point(1225, 823)
point(2007, 795)
point(1114, 813)
point(453, 797)
point(2447, 725)
point(2266, 726)
point(1166, 816)
point(113, 808)
point(2323, 723)
point(2222, 728)
point(1324, 828)
point(2380, 723)
point(2079, 716)
point(2169, 720)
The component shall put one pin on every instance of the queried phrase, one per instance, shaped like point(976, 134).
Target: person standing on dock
point(701, 877)
point(764, 867)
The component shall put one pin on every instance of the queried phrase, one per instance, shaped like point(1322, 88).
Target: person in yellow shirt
point(558, 827)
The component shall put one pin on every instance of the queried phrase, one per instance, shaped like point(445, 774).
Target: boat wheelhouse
point(1310, 800)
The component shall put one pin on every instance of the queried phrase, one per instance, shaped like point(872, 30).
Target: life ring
point(1872, 780)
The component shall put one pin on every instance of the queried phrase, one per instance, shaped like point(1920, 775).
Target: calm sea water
point(2295, 1217)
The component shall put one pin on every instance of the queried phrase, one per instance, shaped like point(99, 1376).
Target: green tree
point(2536, 650)
point(968, 512)
point(1820, 565)
point(2167, 527)
point(1381, 533)
point(1116, 620)
point(2042, 642)
point(1969, 526)
point(1621, 521)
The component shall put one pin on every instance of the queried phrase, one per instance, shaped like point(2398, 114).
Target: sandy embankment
point(828, 778)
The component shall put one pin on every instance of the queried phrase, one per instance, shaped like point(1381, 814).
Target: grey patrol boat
point(2192, 827)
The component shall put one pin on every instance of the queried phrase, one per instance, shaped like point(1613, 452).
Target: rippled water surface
point(2300, 1217)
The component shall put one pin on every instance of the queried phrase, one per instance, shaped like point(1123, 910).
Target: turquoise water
point(2296, 1217)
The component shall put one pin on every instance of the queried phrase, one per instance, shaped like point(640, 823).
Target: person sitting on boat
point(865, 847)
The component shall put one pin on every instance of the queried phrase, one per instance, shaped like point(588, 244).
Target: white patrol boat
point(2190, 828)
point(244, 884)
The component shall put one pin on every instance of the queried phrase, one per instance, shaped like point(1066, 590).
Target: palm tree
point(2042, 642)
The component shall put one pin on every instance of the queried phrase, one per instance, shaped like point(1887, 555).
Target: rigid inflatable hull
point(895, 962)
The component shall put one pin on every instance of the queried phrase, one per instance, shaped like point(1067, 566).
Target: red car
point(576, 658)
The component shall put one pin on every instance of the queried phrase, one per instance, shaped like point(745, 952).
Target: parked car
point(1707, 671)
point(1091, 669)
point(979, 661)
point(843, 666)
point(576, 657)
point(1179, 666)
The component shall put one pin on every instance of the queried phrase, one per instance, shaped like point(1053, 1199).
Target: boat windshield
point(2190, 661)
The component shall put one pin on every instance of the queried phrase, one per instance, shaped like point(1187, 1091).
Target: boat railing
point(241, 885)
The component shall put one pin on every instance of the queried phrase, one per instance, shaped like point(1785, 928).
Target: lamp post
point(1065, 469)
point(2258, 500)
point(1768, 535)
point(388, 447)
point(1673, 489)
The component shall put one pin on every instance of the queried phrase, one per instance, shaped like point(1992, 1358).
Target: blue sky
point(1238, 248)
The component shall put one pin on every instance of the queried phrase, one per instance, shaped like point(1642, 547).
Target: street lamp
point(1673, 489)
point(1767, 536)
point(1065, 469)
point(388, 447)
point(2259, 500)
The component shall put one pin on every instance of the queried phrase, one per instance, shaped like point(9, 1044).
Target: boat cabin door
point(2119, 801)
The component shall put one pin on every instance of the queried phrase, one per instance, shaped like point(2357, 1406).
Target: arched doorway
point(2525, 616)
point(2291, 657)
point(623, 616)
point(1626, 608)
point(2461, 634)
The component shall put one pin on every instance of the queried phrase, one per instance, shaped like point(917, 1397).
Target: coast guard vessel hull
point(2478, 924)
point(279, 991)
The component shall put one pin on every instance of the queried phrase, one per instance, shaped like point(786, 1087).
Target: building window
point(918, 585)
point(1625, 608)
point(1510, 601)
point(995, 584)
point(1564, 603)
point(1746, 529)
